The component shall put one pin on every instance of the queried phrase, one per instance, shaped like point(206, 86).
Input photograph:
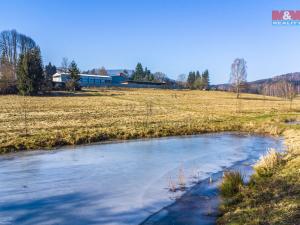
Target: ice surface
point(118, 183)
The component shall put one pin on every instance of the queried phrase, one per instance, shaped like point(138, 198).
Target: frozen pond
point(117, 183)
point(293, 122)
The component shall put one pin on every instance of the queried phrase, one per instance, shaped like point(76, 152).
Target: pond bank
point(273, 199)
point(268, 200)
point(200, 204)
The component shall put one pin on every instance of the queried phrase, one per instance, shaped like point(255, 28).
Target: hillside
point(256, 86)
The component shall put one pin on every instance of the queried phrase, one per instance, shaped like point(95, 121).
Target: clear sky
point(171, 36)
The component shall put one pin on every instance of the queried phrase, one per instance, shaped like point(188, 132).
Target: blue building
point(118, 78)
point(86, 80)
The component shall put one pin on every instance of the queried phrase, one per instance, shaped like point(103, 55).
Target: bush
point(231, 183)
point(266, 165)
point(72, 86)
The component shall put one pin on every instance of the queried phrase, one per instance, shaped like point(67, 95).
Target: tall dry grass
point(267, 163)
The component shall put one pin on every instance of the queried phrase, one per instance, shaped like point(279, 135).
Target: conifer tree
point(30, 72)
point(191, 79)
point(50, 70)
point(205, 79)
point(73, 83)
point(197, 75)
point(138, 73)
point(148, 76)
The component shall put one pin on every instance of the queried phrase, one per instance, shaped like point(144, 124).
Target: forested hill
point(287, 77)
point(258, 85)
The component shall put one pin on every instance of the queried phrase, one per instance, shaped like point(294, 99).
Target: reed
point(171, 185)
point(181, 179)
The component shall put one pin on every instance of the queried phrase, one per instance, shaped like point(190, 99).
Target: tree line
point(196, 80)
point(22, 70)
point(21, 66)
point(101, 71)
point(14, 47)
point(144, 74)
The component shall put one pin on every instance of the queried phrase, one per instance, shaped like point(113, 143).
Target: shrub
point(231, 183)
point(267, 163)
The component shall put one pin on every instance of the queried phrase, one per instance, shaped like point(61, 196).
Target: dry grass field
point(96, 115)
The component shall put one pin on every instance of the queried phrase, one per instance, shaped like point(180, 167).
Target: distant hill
point(256, 86)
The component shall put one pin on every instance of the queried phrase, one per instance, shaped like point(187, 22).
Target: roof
point(85, 75)
point(119, 71)
point(146, 82)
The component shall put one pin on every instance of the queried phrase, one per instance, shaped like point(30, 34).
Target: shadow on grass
point(261, 99)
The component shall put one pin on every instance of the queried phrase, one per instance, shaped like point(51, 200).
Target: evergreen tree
point(139, 73)
point(73, 83)
point(151, 77)
point(148, 76)
point(50, 70)
point(198, 84)
point(198, 76)
point(205, 79)
point(30, 72)
point(191, 79)
point(23, 80)
point(36, 71)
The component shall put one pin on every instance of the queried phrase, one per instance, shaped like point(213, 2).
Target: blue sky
point(168, 36)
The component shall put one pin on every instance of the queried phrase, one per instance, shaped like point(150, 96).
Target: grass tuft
point(267, 164)
point(231, 183)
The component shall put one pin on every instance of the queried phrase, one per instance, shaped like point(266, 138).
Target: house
point(86, 80)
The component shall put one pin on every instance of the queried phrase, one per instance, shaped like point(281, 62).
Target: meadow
point(271, 197)
point(95, 115)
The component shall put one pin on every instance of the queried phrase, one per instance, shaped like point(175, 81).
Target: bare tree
point(149, 110)
point(264, 92)
point(7, 77)
point(182, 80)
point(103, 71)
point(12, 44)
point(65, 64)
point(291, 92)
point(283, 89)
point(159, 76)
point(238, 75)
